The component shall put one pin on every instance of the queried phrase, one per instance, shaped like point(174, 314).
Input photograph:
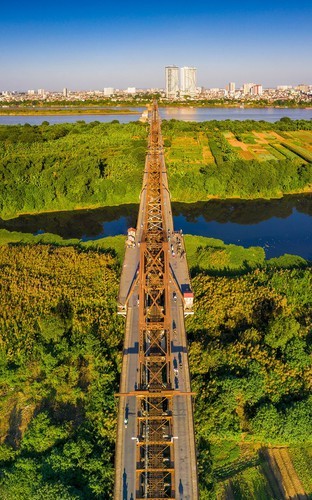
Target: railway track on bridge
point(155, 447)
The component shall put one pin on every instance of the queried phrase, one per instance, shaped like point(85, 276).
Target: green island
point(70, 166)
point(250, 339)
point(33, 110)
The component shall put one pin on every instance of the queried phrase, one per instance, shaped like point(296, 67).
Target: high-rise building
point(172, 81)
point(65, 92)
point(231, 87)
point(303, 87)
point(247, 87)
point(108, 91)
point(188, 81)
point(256, 89)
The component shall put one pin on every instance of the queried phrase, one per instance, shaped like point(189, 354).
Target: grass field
point(189, 151)
point(271, 473)
point(302, 460)
point(250, 483)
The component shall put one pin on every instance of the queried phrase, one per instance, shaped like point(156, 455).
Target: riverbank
point(204, 254)
point(279, 226)
point(247, 105)
point(66, 111)
point(115, 107)
point(100, 206)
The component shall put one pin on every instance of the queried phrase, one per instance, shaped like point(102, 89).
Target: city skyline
point(79, 47)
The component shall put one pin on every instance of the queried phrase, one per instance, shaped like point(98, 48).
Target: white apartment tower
point(172, 81)
point(247, 88)
point(188, 81)
point(108, 91)
point(232, 87)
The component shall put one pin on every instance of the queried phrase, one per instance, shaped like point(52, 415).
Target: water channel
point(167, 113)
point(279, 226)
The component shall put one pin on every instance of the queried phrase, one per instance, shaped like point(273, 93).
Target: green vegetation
point(7, 237)
point(302, 460)
point(60, 354)
point(210, 254)
point(247, 484)
point(61, 339)
point(49, 110)
point(303, 153)
point(113, 244)
point(69, 166)
point(236, 159)
point(250, 358)
point(144, 99)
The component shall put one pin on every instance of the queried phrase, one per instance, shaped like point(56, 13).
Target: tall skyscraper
point(172, 81)
point(231, 87)
point(247, 87)
point(256, 89)
point(108, 91)
point(188, 81)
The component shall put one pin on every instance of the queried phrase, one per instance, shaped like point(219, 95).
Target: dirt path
point(228, 493)
point(281, 467)
point(261, 137)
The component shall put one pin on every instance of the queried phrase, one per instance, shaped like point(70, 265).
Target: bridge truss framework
point(155, 453)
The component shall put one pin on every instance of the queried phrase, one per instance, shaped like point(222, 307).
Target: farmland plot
point(282, 475)
point(269, 145)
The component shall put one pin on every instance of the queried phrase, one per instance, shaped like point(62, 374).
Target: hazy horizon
point(89, 47)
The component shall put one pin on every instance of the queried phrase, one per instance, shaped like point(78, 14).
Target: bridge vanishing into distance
point(155, 448)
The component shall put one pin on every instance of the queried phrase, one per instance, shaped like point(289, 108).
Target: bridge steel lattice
point(155, 454)
point(154, 389)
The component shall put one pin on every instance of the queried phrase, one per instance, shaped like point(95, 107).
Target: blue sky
point(95, 44)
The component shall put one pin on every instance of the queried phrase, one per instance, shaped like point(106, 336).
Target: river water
point(167, 113)
point(279, 226)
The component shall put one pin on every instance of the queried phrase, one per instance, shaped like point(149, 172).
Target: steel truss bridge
point(155, 448)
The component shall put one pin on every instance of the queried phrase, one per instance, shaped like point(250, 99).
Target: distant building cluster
point(180, 82)
point(252, 89)
point(180, 85)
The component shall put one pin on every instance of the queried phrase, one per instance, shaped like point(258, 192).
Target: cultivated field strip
point(283, 470)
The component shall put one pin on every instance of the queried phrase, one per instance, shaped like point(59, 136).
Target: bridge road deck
point(183, 429)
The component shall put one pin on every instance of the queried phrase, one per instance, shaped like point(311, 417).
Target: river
point(279, 226)
point(167, 113)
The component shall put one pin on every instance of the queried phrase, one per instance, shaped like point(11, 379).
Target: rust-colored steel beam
point(153, 386)
point(155, 473)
